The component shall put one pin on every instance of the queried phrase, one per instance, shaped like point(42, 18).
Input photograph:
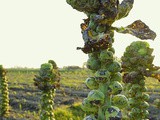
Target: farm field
point(24, 96)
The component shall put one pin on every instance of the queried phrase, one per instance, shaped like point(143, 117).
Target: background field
point(24, 96)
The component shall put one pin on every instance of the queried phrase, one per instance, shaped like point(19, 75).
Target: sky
point(35, 31)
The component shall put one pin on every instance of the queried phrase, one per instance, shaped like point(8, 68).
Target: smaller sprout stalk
point(47, 81)
point(137, 64)
point(4, 111)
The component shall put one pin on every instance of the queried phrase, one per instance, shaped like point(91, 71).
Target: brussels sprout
point(106, 56)
point(113, 113)
point(100, 28)
point(136, 87)
point(102, 75)
point(116, 77)
point(127, 86)
point(132, 102)
point(46, 66)
point(132, 115)
point(93, 63)
point(141, 55)
point(91, 83)
point(126, 66)
point(148, 61)
point(145, 97)
point(114, 67)
point(93, 34)
point(87, 106)
point(112, 50)
point(46, 71)
point(92, 16)
point(120, 101)
point(90, 117)
point(131, 92)
point(142, 83)
point(96, 97)
point(93, 55)
point(142, 51)
point(115, 88)
point(144, 105)
point(92, 25)
point(144, 89)
point(139, 44)
point(145, 114)
point(138, 95)
point(136, 112)
point(133, 60)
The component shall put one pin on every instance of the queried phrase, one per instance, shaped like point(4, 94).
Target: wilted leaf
point(138, 29)
point(95, 46)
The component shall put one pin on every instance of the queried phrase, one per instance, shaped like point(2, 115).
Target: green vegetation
point(4, 108)
point(73, 112)
point(25, 97)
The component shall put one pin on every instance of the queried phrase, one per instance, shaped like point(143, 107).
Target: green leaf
point(138, 29)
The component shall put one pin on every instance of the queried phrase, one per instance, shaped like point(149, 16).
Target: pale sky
point(34, 31)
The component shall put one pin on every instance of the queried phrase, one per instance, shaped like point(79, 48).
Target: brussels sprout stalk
point(47, 81)
point(98, 35)
point(4, 111)
point(136, 67)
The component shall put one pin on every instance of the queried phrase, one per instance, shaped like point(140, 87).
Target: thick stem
point(103, 87)
point(141, 105)
point(47, 105)
point(101, 114)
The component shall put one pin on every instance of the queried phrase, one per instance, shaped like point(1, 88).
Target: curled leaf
point(124, 8)
point(138, 29)
point(95, 46)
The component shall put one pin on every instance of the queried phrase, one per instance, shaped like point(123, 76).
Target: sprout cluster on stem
point(137, 64)
point(47, 81)
point(104, 101)
point(4, 111)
